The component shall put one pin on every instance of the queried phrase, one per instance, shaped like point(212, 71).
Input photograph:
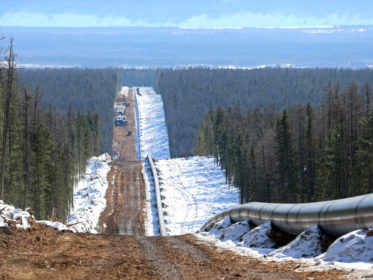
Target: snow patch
point(219, 227)
point(124, 91)
point(56, 225)
point(89, 196)
point(23, 218)
point(308, 244)
point(352, 252)
point(353, 247)
point(258, 237)
point(235, 232)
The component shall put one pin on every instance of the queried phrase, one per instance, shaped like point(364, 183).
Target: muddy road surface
point(125, 208)
point(43, 253)
point(124, 141)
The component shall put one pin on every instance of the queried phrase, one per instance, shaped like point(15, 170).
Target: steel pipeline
point(335, 217)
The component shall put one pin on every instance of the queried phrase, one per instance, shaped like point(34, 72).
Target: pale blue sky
point(191, 13)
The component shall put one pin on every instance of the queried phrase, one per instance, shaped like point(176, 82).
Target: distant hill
point(348, 46)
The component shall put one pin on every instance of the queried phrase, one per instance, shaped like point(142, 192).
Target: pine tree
point(365, 155)
point(310, 174)
point(286, 160)
point(9, 96)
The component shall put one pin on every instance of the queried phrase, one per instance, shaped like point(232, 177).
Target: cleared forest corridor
point(123, 251)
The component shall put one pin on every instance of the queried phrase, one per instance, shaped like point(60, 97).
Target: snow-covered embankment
point(192, 189)
point(89, 196)
point(352, 252)
point(88, 202)
point(153, 136)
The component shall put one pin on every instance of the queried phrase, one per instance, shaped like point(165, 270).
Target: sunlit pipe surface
point(335, 217)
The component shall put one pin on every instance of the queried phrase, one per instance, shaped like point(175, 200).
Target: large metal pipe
point(335, 217)
point(162, 230)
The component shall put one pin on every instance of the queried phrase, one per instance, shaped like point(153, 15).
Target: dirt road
point(125, 208)
point(124, 141)
point(43, 253)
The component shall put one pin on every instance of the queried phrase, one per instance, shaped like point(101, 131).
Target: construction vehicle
point(120, 109)
point(120, 120)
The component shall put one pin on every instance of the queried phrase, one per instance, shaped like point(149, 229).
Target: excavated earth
point(122, 251)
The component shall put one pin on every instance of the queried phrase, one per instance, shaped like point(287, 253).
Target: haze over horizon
point(185, 14)
point(190, 33)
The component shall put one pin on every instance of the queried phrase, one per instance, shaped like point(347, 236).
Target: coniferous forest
point(314, 120)
point(43, 151)
point(78, 90)
point(188, 94)
point(301, 153)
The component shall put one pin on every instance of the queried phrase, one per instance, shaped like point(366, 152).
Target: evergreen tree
point(365, 155)
point(286, 161)
point(310, 173)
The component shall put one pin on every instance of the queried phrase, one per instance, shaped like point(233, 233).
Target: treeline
point(299, 154)
point(188, 94)
point(78, 90)
point(43, 152)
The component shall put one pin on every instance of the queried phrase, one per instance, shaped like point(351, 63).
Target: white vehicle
point(120, 109)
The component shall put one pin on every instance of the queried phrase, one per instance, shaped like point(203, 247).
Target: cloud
point(248, 19)
point(235, 20)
